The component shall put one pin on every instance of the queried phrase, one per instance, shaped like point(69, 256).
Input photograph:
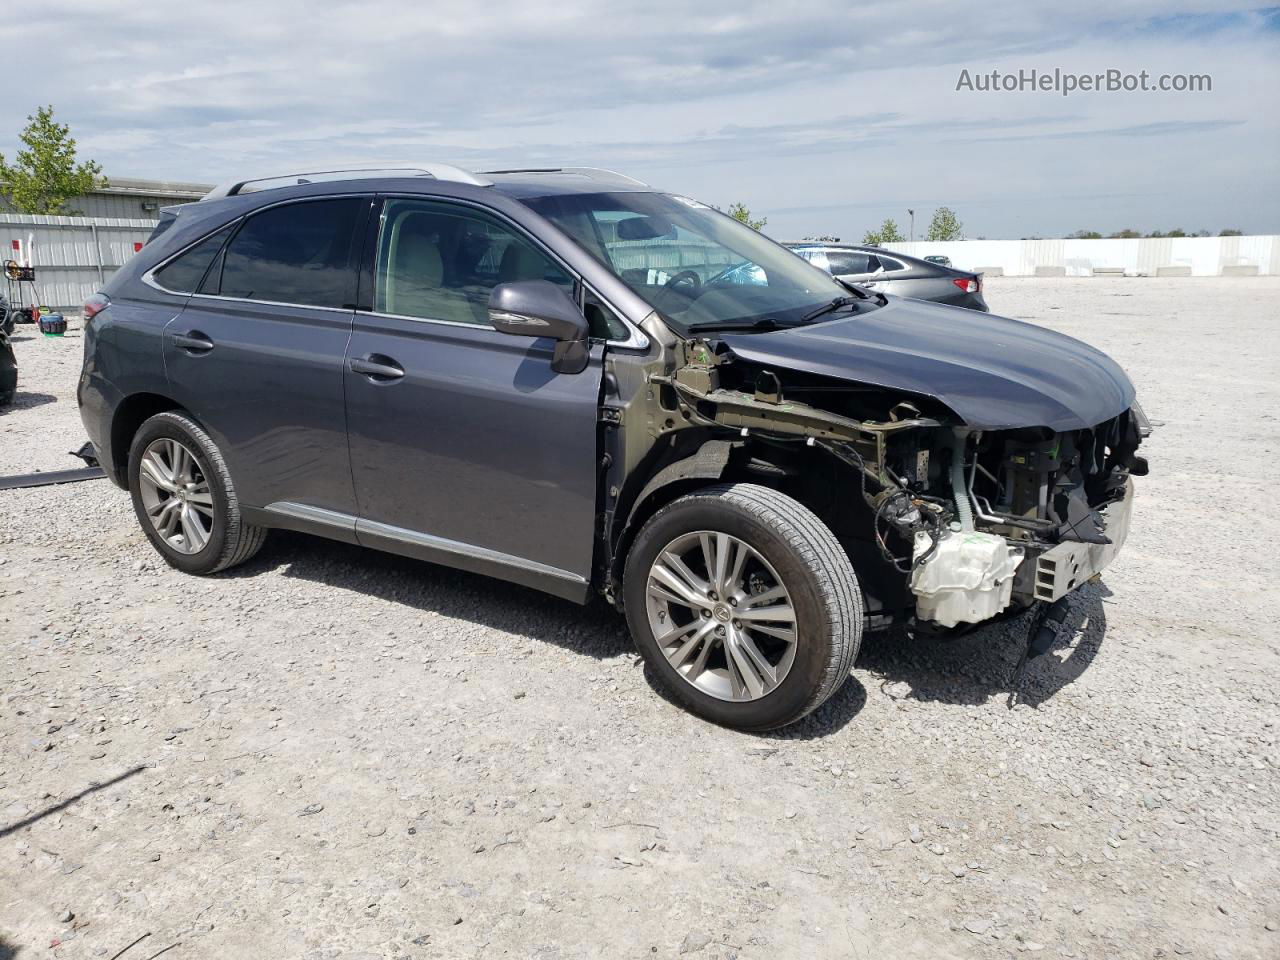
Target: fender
point(708, 462)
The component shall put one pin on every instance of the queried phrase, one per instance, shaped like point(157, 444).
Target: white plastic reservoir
point(968, 579)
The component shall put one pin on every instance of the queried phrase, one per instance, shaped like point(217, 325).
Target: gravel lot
point(333, 753)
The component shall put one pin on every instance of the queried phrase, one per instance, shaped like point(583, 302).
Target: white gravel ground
point(332, 753)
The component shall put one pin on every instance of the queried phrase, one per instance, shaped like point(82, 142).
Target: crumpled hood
point(993, 372)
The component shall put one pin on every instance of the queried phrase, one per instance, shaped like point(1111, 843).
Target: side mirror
point(538, 308)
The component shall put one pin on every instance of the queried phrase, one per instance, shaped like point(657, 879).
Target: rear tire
point(794, 565)
point(188, 509)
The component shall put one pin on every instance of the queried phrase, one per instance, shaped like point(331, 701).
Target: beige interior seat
point(415, 276)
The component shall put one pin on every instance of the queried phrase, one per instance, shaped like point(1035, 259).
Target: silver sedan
point(896, 273)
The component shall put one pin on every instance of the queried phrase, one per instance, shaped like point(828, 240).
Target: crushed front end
point(947, 525)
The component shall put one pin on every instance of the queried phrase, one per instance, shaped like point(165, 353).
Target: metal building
point(131, 199)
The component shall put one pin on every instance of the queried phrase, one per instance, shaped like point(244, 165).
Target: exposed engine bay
point(970, 523)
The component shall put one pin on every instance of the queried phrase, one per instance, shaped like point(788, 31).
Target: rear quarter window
point(184, 273)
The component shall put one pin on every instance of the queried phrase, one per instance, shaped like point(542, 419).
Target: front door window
point(440, 261)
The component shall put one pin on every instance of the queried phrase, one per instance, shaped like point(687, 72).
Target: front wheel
point(744, 605)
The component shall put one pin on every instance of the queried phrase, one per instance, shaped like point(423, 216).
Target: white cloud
point(824, 116)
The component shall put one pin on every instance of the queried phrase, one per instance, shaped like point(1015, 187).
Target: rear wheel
point(184, 497)
point(744, 605)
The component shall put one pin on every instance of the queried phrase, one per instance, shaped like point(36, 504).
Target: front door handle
point(377, 367)
point(195, 341)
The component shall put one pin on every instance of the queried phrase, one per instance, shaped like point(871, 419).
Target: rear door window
point(845, 262)
point(183, 273)
point(301, 253)
point(818, 258)
point(888, 264)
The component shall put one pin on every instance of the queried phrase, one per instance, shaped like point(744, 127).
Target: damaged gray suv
point(559, 378)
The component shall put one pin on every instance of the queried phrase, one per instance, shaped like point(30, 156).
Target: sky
point(823, 117)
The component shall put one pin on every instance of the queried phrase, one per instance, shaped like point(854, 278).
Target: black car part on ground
point(50, 477)
point(87, 454)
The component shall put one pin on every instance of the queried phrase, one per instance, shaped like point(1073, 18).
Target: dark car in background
point(8, 371)
point(569, 380)
point(8, 362)
point(896, 273)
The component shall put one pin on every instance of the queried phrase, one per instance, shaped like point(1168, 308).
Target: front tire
point(184, 498)
point(744, 605)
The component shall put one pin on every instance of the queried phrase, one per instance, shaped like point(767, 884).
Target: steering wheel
point(684, 276)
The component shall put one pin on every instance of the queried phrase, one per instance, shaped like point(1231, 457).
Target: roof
point(862, 247)
point(131, 186)
point(528, 182)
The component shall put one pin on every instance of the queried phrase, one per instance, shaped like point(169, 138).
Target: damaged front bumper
point(1054, 573)
point(973, 576)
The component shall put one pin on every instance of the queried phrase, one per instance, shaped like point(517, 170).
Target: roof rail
point(593, 173)
point(437, 171)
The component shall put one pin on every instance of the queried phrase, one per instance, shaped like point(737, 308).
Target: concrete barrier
point(1138, 257)
point(990, 271)
point(1174, 270)
point(1048, 270)
point(1108, 271)
point(1239, 269)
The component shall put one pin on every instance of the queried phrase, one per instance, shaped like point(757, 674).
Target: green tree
point(1125, 235)
point(945, 226)
point(888, 233)
point(45, 175)
point(742, 213)
point(1084, 235)
point(1231, 232)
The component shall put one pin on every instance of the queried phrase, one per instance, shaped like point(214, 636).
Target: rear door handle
point(195, 341)
point(377, 367)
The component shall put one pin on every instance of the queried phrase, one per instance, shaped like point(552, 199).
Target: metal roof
point(131, 186)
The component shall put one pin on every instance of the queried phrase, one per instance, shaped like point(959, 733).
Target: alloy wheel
point(176, 495)
point(721, 615)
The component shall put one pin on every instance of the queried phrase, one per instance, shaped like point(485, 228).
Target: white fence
point(72, 256)
point(1145, 257)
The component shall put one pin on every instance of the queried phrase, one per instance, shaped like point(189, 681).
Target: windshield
point(696, 266)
